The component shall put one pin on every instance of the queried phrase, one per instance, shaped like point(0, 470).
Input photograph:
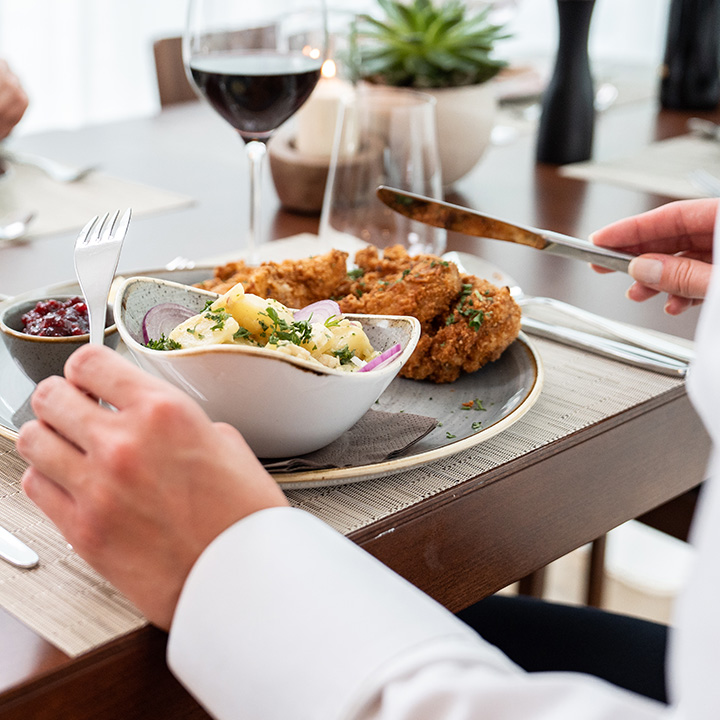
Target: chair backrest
point(173, 84)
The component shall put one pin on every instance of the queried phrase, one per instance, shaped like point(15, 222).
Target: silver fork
point(97, 251)
point(634, 335)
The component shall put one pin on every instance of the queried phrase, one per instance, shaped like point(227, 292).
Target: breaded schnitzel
point(294, 283)
point(466, 321)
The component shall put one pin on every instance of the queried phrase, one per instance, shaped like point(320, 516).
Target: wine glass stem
point(256, 151)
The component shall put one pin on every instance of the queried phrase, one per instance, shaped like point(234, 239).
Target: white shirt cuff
point(282, 617)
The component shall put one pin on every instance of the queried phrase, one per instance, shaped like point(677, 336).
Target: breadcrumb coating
point(466, 321)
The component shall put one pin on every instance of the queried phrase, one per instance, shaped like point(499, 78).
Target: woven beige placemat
point(67, 603)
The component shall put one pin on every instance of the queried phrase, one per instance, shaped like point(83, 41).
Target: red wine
point(257, 91)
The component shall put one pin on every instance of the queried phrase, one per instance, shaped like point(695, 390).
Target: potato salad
point(317, 333)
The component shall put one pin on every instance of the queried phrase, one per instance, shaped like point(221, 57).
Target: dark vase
point(565, 133)
point(690, 78)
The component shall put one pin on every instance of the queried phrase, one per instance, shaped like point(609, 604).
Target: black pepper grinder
point(565, 133)
point(690, 77)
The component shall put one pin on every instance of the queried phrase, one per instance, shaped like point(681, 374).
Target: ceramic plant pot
point(465, 119)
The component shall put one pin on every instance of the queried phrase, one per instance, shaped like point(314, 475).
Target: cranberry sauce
point(57, 318)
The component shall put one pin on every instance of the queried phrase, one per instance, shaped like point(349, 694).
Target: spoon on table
point(52, 168)
point(13, 227)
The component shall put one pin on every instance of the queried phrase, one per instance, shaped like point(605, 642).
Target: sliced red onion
point(163, 319)
point(319, 311)
point(383, 359)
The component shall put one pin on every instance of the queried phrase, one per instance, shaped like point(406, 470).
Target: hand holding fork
point(97, 251)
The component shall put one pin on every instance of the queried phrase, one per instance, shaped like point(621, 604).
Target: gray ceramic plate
point(506, 389)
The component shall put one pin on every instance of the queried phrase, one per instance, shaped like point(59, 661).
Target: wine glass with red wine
point(255, 63)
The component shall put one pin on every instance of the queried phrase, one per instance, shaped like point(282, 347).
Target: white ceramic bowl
point(283, 406)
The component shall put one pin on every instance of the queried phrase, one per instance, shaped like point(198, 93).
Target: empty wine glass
point(256, 64)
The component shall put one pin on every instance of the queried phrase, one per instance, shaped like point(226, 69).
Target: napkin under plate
point(376, 437)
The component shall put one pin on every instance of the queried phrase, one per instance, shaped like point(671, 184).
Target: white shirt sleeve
point(282, 617)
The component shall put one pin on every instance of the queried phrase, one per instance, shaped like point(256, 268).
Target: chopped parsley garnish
point(466, 307)
point(450, 436)
point(297, 333)
point(163, 343)
point(356, 273)
point(477, 320)
point(241, 334)
point(476, 426)
point(218, 317)
point(344, 355)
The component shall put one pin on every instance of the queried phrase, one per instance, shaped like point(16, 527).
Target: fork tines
point(104, 229)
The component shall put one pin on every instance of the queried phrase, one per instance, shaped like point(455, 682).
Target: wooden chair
point(674, 518)
point(173, 84)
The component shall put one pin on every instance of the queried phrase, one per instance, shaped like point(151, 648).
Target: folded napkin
point(65, 207)
point(376, 437)
point(661, 167)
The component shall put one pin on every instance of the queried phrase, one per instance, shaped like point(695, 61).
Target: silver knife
point(630, 354)
point(470, 222)
point(16, 552)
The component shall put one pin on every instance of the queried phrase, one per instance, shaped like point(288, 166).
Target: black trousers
point(543, 636)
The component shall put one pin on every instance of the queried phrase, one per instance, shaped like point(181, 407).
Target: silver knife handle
point(16, 552)
point(635, 336)
point(583, 250)
point(607, 348)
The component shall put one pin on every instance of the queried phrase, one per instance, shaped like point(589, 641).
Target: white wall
point(90, 61)
point(86, 61)
point(628, 31)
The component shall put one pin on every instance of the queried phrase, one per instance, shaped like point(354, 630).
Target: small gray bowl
point(39, 357)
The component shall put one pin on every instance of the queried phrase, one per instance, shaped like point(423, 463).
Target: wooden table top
point(461, 546)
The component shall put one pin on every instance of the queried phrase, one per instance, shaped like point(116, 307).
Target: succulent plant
point(424, 45)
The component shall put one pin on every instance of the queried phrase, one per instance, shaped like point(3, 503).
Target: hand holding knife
point(470, 222)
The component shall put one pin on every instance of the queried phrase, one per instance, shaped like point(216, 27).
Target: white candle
point(317, 119)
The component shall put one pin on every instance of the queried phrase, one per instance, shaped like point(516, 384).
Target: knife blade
point(470, 222)
point(16, 552)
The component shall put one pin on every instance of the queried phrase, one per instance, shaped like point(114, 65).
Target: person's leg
point(543, 636)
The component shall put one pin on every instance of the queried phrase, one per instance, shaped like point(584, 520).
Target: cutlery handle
point(629, 354)
point(15, 551)
point(636, 336)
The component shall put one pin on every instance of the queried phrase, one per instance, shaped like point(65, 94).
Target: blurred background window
point(90, 61)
